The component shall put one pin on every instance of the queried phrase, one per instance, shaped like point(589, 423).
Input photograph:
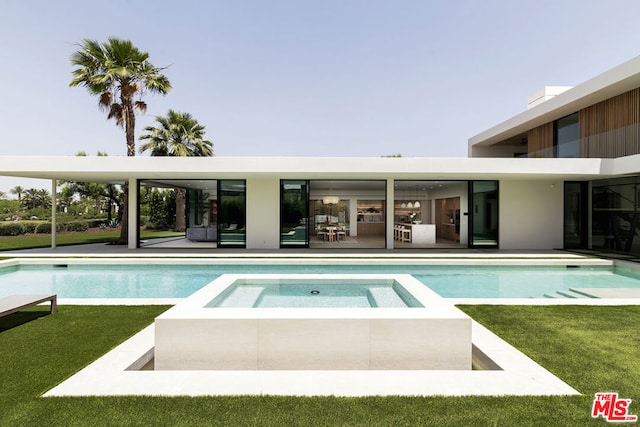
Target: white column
point(132, 211)
point(53, 212)
point(353, 216)
point(390, 208)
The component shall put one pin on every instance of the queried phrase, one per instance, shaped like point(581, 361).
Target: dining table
point(333, 233)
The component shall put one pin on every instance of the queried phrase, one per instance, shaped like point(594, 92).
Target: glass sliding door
point(616, 214)
point(483, 209)
point(232, 213)
point(575, 215)
point(294, 213)
point(347, 214)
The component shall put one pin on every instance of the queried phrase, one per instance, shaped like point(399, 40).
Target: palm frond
point(116, 112)
point(141, 106)
point(106, 99)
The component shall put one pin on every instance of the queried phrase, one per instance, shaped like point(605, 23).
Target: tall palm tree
point(119, 74)
point(17, 190)
point(177, 135)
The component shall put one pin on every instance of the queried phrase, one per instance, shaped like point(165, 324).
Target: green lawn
point(9, 243)
point(592, 348)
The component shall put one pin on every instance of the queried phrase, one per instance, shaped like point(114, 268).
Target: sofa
point(202, 234)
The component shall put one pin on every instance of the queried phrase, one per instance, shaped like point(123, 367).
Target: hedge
point(11, 229)
point(18, 228)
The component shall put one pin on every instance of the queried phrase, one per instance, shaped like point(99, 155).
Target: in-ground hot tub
point(313, 322)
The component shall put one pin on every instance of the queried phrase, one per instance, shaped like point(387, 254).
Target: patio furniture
point(202, 234)
point(14, 303)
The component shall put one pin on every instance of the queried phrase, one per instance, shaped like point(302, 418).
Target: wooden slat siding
point(540, 141)
point(610, 128)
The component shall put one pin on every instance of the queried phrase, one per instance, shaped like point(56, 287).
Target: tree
point(36, 198)
point(102, 195)
point(177, 135)
point(17, 190)
point(119, 74)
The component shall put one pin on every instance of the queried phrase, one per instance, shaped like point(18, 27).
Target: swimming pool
point(170, 280)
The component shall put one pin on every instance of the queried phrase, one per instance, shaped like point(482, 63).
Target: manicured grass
point(80, 238)
point(592, 348)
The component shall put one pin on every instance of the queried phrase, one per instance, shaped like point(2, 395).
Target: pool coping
point(434, 259)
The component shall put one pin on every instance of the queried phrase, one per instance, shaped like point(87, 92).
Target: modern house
point(599, 119)
point(565, 173)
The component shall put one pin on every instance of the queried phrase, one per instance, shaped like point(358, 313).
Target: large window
point(294, 202)
point(347, 214)
point(616, 214)
point(231, 213)
point(567, 136)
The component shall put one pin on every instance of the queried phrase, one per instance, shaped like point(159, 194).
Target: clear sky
point(307, 78)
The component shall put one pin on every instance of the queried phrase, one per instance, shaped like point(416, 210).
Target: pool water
point(315, 293)
point(180, 281)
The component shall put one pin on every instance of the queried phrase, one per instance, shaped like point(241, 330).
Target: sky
point(305, 78)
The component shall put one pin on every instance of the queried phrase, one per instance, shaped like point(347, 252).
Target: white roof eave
point(104, 169)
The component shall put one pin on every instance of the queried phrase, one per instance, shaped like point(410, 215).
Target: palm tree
point(17, 190)
point(178, 135)
point(119, 74)
point(36, 198)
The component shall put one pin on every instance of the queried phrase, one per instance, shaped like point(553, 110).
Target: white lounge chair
point(14, 303)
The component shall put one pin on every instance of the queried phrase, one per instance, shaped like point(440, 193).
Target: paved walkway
point(102, 249)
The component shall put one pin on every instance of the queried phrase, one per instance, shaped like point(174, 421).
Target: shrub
point(29, 227)
point(44, 228)
point(77, 226)
point(12, 229)
point(97, 222)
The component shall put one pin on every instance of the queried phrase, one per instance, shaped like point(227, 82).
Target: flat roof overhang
point(616, 81)
point(118, 169)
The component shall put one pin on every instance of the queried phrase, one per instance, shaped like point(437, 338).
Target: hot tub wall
point(315, 342)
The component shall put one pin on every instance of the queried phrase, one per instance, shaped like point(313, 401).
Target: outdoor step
point(582, 292)
point(569, 294)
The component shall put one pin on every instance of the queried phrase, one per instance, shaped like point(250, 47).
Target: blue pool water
point(179, 281)
point(315, 293)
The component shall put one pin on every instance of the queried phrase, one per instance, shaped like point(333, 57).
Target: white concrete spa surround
point(191, 336)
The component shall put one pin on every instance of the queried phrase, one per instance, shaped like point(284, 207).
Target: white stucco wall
point(531, 214)
point(263, 213)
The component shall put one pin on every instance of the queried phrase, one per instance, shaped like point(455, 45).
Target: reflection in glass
point(232, 213)
point(616, 214)
point(567, 136)
point(293, 213)
point(575, 211)
point(484, 211)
